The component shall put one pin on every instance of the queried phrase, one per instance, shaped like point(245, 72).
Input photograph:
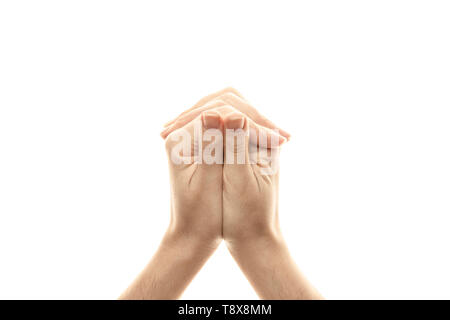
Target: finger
point(184, 120)
point(265, 137)
point(206, 100)
point(232, 100)
point(211, 119)
point(202, 136)
point(236, 141)
point(240, 155)
point(237, 106)
point(259, 135)
point(251, 112)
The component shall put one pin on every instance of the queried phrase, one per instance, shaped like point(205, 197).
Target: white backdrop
point(362, 86)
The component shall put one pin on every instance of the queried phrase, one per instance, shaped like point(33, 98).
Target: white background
point(362, 86)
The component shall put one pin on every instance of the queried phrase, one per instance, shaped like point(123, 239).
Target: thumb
point(236, 140)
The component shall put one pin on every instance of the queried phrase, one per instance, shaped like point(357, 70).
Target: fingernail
point(211, 120)
point(236, 122)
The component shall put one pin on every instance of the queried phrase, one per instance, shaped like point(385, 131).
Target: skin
point(207, 205)
point(251, 227)
point(195, 228)
point(229, 97)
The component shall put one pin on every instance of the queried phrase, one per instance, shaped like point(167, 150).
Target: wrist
point(250, 233)
point(260, 243)
point(270, 269)
point(173, 266)
point(190, 242)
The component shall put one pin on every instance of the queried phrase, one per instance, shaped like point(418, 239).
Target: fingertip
point(234, 121)
point(285, 134)
point(275, 140)
point(211, 119)
point(165, 132)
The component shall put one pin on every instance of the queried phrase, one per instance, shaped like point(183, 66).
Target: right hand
point(250, 190)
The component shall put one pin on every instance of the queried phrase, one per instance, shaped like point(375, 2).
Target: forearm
point(172, 268)
point(270, 269)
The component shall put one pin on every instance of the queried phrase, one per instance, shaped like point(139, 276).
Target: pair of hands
point(236, 202)
point(229, 200)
